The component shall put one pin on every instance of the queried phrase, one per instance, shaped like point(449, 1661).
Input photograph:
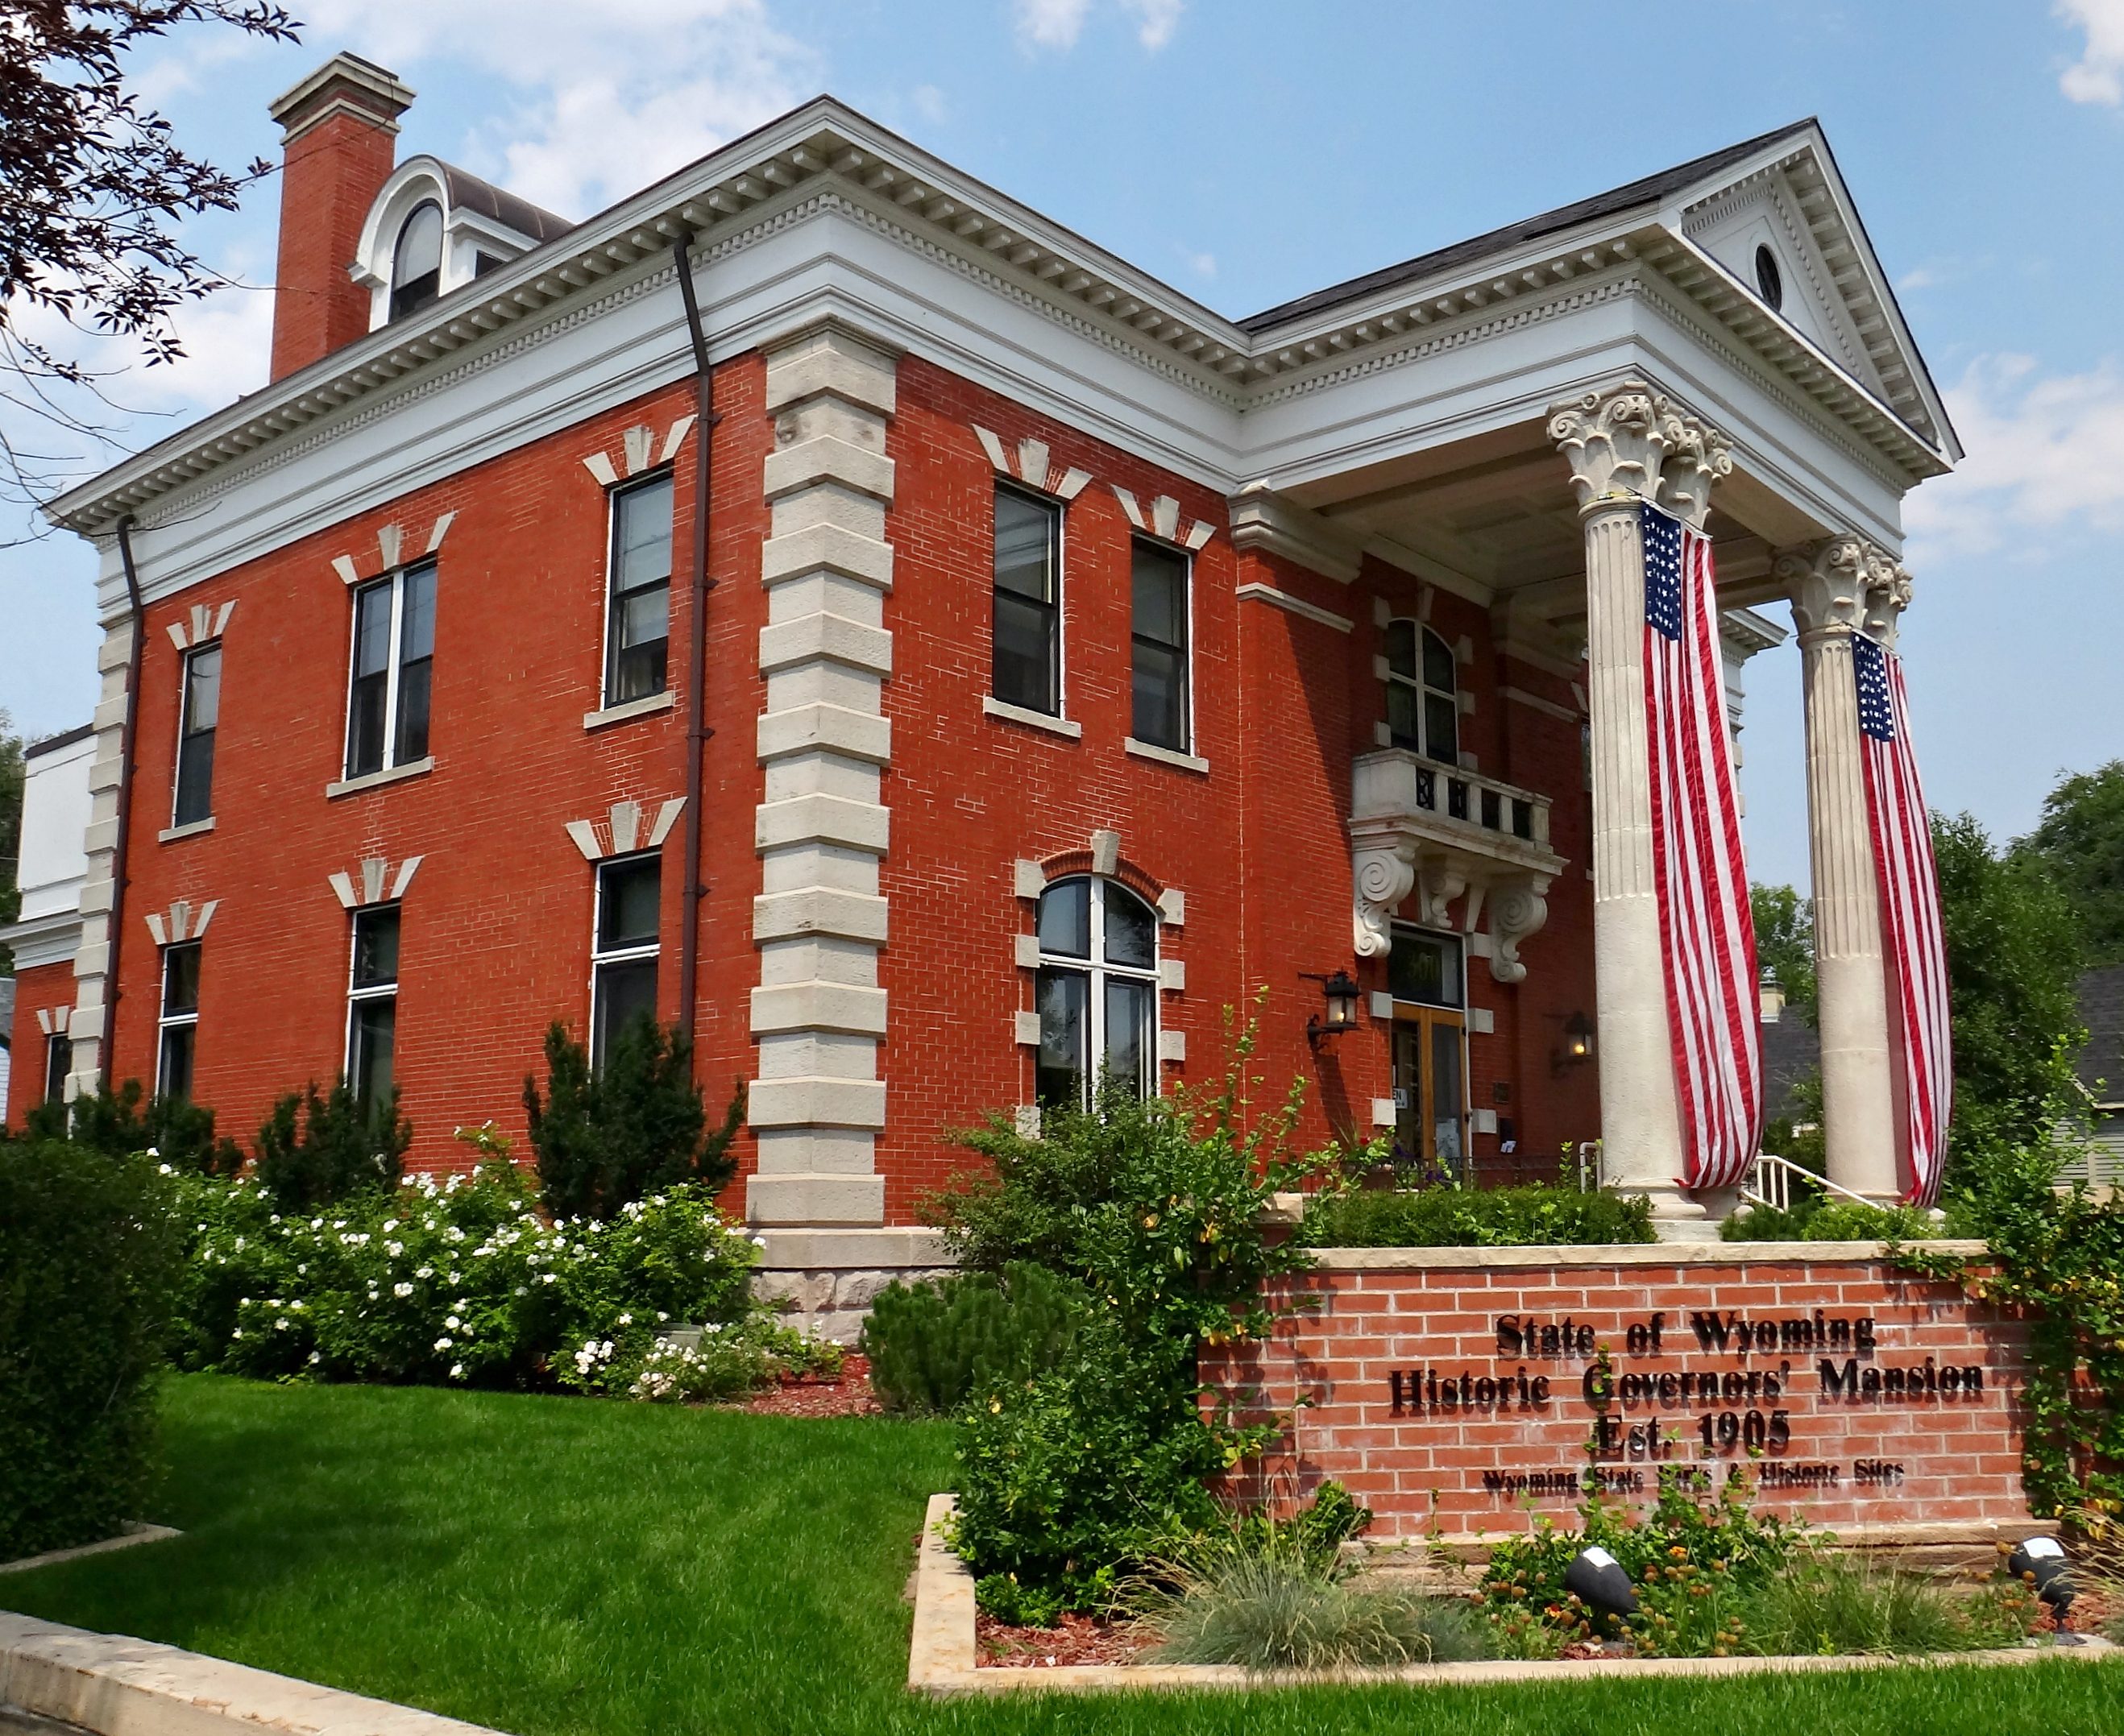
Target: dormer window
point(416, 263)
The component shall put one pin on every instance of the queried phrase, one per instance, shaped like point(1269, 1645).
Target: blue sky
point(1250, 151)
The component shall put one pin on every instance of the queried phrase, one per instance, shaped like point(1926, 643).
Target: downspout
point(697, 731)
point(138, 615)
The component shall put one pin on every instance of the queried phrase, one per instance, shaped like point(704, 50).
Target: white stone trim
point(1028, 879)
point(378, 885)
point(1025, 1028)
point(646, 707)
point(1163, 520)
point(203, 625)
point(1171, 975)
point(390, 551)
point(1028, 462)
point(373, 780)
point(1172, 906)
point(1384, 1113)
point(1257, 592)
point(636, 446)
point(175, 927)
point(1172, 1045)
point(992, 706)
point(1535, 702)
point(620, 832)
point(1382, 1004)
point(1481, 1022)
point(192, 828)
point(1165, 756)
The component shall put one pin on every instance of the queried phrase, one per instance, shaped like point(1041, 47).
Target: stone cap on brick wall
point(1736, 1254)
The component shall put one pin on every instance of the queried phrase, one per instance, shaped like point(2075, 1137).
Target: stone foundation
point(826, 1280)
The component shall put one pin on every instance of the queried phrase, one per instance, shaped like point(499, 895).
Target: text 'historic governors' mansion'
point(829, 604)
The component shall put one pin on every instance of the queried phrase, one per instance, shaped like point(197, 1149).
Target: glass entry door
point(1430, 1093)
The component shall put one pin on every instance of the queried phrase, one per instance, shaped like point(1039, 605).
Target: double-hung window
point(1159, 653)
point(179, 1022)
point(59, 1062)
point(394, 656)
point(1423, 714)
point(372, 1006)
point(1026, 670)
point(638, 615)
point(1097, 991)
point(630, 898)
point(199, 714)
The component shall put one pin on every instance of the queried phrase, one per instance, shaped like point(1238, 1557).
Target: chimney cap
point(347, 84)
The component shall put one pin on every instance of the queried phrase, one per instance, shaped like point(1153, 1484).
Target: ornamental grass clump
point(1829, 1604)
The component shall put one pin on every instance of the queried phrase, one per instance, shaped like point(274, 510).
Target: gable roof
point(2100, 1063)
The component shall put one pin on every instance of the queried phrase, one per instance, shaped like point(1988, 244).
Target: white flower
point(453, 1323)
point(546, 1278)
point(314, 1359)
point(281, 1323)
point(302, 1269)
point(389, 1225)
point(456, 1371)
point(759, 1241)
point(627, 1319)
point(316, 1223)
point(661, 1317)
point(160, 1169)
point(442, 1343)
point(425, 1272)
point(238, 1333)
point(156, 1151)
point(396, 1249)
point(401, 1290)
point(523, 1290)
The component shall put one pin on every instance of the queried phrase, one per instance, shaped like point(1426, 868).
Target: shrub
point(1816, 1217)
point(313, 1150)
point(606, 1137)
point(725, 1362)
point(1474, 1217)
point(88, 1263)
point(932, 1344)
point(177, 1130)
point(1824, 1604)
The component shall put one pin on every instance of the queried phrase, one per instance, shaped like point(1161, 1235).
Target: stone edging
point(113, 1686)
point(1626, 1254)
point(942, 1659)
point(125, 1539)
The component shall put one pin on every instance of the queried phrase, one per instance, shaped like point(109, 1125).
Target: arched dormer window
point(1097, 992)
point(1423, 714)
point(416, 262)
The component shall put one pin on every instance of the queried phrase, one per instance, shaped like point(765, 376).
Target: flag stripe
point(1700, 871)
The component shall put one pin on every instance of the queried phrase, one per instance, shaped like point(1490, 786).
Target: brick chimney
point(339, 127)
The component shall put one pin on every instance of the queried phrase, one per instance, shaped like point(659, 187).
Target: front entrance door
point(1430, 1098)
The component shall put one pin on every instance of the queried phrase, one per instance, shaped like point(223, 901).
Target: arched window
point(1097, 991)
point(1422, 714)
point(416, 262)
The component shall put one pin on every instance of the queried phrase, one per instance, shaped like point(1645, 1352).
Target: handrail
point(1770, 1183)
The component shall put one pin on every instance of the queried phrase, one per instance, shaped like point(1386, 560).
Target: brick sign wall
point(1465, 1384)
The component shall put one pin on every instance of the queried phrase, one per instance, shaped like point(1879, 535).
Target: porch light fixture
point(1578, 1044)
point(1340, 992)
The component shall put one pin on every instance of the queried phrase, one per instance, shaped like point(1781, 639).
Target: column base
point(824, 1280)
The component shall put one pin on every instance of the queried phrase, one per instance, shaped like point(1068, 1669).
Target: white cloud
point(2098, 75)
point(1203, 265)
point(929, 103)
point(1057, 24)
point(2045, 460)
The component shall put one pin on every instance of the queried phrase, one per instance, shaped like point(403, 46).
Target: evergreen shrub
point(88, 1270)
point(177, 1130)
point(934, 1344)
point(316, 1148)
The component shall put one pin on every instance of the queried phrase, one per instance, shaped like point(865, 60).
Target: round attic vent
point(1769, 279)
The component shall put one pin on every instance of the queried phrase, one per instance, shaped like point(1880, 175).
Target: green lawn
point(552, 1565)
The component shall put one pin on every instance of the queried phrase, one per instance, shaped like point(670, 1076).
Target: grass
point(571, 1567)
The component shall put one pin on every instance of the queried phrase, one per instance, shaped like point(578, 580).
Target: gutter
point(697, 731)
point(138, 615)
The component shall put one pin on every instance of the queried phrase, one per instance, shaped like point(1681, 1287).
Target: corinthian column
point(1624, 442)
point(1838, 586)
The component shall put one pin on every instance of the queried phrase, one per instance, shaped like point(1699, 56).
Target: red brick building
point(1015, 666)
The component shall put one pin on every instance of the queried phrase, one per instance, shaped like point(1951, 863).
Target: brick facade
point(1450, 1388)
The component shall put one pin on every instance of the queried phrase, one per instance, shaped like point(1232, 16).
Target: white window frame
point(392, 670)
point(1187, 660)
point(184, 721)
point(1061, 509)
point(358, 995)
point(1095, 968)
point(57, 1042)
point(166, 1020)
point(600, 958)
point(1423, 690)
point(630, 485)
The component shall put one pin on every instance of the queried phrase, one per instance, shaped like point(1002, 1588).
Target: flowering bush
point(462, 1280)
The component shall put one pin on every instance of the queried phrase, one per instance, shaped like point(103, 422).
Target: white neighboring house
point(53, 867)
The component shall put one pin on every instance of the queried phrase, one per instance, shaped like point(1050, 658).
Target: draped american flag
point(1921, 1044)
point(1708, 928)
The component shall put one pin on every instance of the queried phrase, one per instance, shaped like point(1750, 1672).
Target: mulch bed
point(1079, 1639)
point(847, 1394)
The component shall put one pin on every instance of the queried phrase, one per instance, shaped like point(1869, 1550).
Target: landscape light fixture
point(1340, 992)
point(1578, 1044)
point(1597, 1580)
point(2041, 1562)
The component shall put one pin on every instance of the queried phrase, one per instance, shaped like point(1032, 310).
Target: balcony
point(1443, 834)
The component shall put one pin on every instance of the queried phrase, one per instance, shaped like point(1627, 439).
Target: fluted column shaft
point(1833, 583)
point(1625, 444)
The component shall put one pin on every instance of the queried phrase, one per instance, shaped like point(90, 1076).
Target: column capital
point(1828, 582)
point(1630, 441)
point(1888, 593)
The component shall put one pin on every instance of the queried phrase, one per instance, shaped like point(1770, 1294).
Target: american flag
point(1916, 947)
point(1713, 1009)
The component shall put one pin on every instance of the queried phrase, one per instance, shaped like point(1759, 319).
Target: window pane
point(1024, 657)
point(59, 1062)
point(629, 895)
point(1161, 594)
point(195, 779)
point(1401, 648)
point(645, 615)
point(173, 1077)
point(416, 633)
point(372, 629)
point(1025, 539)
point(1437, 662)
point(1065, 919)
point(641, 535)
point(1131, 927)
point(364, 726)
point(371, 1044)
point(1128, 1033)
point(416, 263)
point(625, 993)
point(1160, 711)
point(1402, 717)
point(413, 681)
point(1442, 729)
point(202, 689)
point(638, 671)
point(1064, 1034)
point(375, 947)
point(1424, 966)
point(181, 978)
point(1446, 1094)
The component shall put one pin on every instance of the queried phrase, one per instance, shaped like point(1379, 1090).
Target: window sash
point(1158, 642)
point(1025, 620)
point(1423, 709)
point(624, 960)
point(59, 1062)
point(200, 718)
point(177, 1023)
point(372, 1045)
point(391, 670)
point(1096, 1014)
point(638, 591)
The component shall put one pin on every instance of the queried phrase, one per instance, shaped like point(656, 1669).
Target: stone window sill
point(373, 780)
point(171, 834)
point(1165, 756)
point(654, 703)
point(995, 707)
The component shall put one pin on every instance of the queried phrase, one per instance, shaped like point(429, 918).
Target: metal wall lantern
point(1340, 994)
point(1577, 1045)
